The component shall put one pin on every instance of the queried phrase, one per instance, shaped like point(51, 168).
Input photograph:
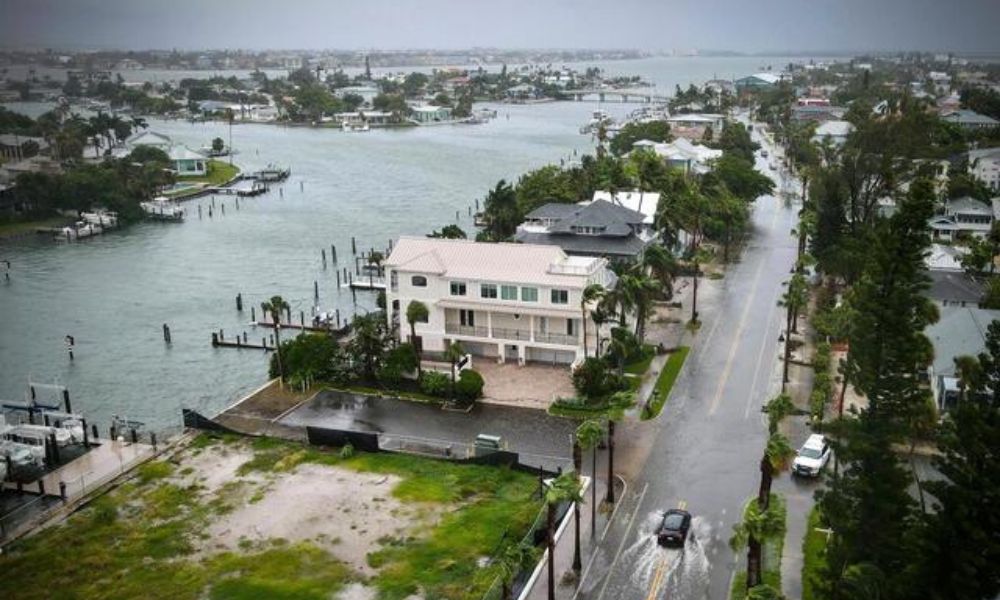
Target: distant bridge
point(635, 95)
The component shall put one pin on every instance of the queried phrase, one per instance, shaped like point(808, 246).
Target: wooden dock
point(300, 327)
point(218, 342)
point(363, 283)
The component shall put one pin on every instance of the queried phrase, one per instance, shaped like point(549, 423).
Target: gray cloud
point(751, 26)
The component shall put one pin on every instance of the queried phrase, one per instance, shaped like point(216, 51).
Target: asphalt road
point(703, 452)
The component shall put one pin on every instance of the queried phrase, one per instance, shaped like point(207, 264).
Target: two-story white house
point(510, 302)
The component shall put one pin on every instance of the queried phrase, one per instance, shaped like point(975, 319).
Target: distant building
point(18, 147)
point(984, 165)
point(509, 302)
point(817, 113)
point(703, 120)
point(757, 81)
point(835, 132)
point(961, 331)
point(186, 162)
point(970, 119)
point(962, 217)
point(682, 154)
point(430, 114)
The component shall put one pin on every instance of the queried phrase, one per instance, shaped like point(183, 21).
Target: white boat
point(162, 209)
point(63, 436)
point(101, 218)
point(79, 230)
point(34, 442)
point(347, 127)
point(20, 455)
point(598, 118)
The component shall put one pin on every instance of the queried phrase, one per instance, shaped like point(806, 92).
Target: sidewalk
point(589, 542)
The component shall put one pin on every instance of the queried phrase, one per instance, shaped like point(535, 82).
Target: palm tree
point(619, 403)
point(758, 524)
point(592, 293)
point(662, 266)
point(375, 264)
point(416, 312)
point(637, 292)
point(565, 488)
point(971, 377)
point(453, 352)
point(512, 561)
point(276, 305)
point(777, 409)
point(599, 316)
point(589, 435)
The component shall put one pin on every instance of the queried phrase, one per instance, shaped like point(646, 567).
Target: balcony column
point(489, 323)
point(531, 327)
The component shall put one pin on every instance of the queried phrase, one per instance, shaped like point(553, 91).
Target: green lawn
point(641, 364)
point(665, 382)
point(15, 228)
point(814, 553)
point(138, 541)
point(219, 172)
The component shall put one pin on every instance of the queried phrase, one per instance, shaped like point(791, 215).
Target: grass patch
point(137, 541)
point(401, 394)
point(575, 408)
point(770, 557)
point(640, 364)
point(814, 553)
point(15, 227)
point(154, 470)
point(219, 172)
point(665, 382)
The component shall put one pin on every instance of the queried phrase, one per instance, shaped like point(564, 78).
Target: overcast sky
point(740, 25)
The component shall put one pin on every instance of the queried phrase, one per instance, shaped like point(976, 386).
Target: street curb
point(529, 585)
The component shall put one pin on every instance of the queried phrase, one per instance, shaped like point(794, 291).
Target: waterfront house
point(962, 217)
point(961, 331)
point(596, 228)
point(702, 120)
point(683, 154)
point(984, 165)
point(509, 302)
point(757, 81)
point(19, 147)
point(187, 162)
point(835, 132)
point(817, 113)
point(430, 114)
point(148, 137)
point(969, 119)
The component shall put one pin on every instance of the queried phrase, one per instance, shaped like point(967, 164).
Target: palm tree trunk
point(277, 349)
point(550, 540)
point(583, 322)
point(577, 465)
point(766, 477)
point(504, 589)
point(694, 295)
point(611, 462)
point(593, 492)
point(753, 563)
point(413, 342)
point(788, 348)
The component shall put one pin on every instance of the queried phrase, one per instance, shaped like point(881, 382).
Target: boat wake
point(676, 573)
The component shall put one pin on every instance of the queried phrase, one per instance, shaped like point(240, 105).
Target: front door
point(510, 352)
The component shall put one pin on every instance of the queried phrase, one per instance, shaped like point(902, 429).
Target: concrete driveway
point(531, 386)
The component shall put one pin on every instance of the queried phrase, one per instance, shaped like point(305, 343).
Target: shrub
point(310, 355)
point(591, 378)
point(435, 383)
point(347, 451)
point(469, 386)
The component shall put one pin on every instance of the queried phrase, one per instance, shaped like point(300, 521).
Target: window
point(569, 327)
point(560, 297)
point(457, 288)
point(418, 281)
point(508, 292)
point(467, 318)
point(393, 281)
point(488, 290)
point(529, 294)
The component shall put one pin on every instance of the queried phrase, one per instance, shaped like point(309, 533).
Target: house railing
point(470, 330)
point(556, 338)
point(511, 334)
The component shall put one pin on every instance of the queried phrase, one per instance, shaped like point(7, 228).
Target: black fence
point(365, 441)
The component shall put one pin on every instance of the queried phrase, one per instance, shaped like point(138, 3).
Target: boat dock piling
point(219, 342)
point(166, 333)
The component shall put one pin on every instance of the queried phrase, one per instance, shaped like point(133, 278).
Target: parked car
point(673, 529)
point(813, 456)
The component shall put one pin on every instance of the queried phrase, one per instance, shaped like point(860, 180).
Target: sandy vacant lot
point(346, 512)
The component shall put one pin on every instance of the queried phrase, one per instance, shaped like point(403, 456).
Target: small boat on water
point(78, 231)
point(598, 119)
point(271, 173)
point(162, 209)
point(347, 127)
point(102, 218)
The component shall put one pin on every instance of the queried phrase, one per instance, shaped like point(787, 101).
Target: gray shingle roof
point(954, 286)
point(586, 245)
point(960, 331)
point(614, 219)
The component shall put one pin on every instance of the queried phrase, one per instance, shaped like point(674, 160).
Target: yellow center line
point(657, 579)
